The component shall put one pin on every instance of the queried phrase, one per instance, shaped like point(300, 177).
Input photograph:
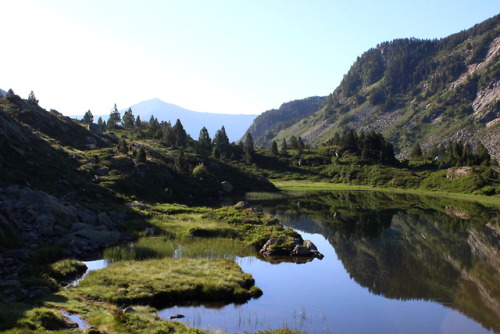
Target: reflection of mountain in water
point(407, 247)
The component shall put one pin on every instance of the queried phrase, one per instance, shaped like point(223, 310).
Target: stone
point(310, 246)
point(242, 205)
point(176, 316)
point(103, 219)
point(267, 248)
point(227, 187)
point(102, 171)
point(300, 251)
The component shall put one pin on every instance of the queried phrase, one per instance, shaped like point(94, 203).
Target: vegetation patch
point(167, 281)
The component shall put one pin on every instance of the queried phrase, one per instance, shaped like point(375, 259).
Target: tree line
point(175, 136)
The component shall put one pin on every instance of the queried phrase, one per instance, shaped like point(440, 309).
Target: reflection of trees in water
point(411, 247)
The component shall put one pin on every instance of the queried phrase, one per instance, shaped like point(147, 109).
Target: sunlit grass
point(165, 281)
point(304, 185)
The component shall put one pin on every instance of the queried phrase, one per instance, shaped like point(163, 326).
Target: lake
point(393, 264)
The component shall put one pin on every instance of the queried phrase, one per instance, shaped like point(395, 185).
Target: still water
point(393, 264)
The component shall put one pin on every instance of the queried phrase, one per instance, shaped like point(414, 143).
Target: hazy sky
point(227, 56)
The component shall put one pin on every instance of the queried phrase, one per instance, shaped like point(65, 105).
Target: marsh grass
point(163, 282)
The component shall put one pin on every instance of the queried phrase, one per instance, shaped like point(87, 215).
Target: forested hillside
point(413, 91)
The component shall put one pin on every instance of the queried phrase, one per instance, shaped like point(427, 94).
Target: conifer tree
point(138, 123)
point(204, 145)
point(301, 145)
point(249, 148)
point(128, 119)
point(180, 134)
point(154, 127)
point(32, 99)
point(416, 152)
point(101, 124)
point(482, 155)
point(274, 149)
point(293, 144)
point(88, 118)
point(114, 118)
point(284, 147)
point(221, 142)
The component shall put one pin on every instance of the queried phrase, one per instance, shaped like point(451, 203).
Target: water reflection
point(393, 264)
point(407, 247)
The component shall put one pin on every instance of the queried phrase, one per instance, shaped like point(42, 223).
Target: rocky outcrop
point(30, 219)
point(455, 172)
point(296, 248)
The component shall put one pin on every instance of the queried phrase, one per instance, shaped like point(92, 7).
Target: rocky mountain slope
point(411, 90)
point(269, 123)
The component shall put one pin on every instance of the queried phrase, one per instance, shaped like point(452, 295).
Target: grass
point(161, 247)
point(289, 186)
point(167, 281)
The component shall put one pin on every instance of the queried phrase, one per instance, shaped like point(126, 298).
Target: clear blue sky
point(227, 56)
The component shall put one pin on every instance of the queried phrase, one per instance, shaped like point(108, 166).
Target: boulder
point(103, 219)
point(227, 187)
point(102, 171)
point(242, 205)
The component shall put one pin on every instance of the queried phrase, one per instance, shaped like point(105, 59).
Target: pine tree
point(138, 123)
point(154, 127)
point(482, 155)
point(293, 143)
point(416, 152)
point(204, 145)
point(221, 142)
point(88, 118)
point(32, 99)
point(101, 124)
point(180, 134)
point(274, 149)
point(114, 118)
point(128, 119)
point(284, 147)
point(249, 148)
point(301, 145)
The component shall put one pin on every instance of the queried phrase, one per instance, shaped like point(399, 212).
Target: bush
point(200, 172)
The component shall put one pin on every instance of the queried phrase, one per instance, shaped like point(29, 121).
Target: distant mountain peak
point(193, 121)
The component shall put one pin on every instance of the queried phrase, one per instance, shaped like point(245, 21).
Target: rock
point(176, 316)
point(310, 246)
point(45, 224)
point(137, 205)
point(129, 309)
point(267, 248)
point(80, 226)
point(103, 219)
point(300, 251)
point(227, 187)
point(455, 172)
point(87, 217)
point(102, 171)
point(242, 205)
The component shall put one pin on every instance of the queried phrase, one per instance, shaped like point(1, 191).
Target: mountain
point(193, 121)
point(3, 92)
point(269, 123)
point(413, 91)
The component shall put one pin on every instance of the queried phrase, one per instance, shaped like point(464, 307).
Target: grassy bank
point(168, 281)
point(304, 185)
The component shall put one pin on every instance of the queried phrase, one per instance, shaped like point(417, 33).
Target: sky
point(219, 56)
